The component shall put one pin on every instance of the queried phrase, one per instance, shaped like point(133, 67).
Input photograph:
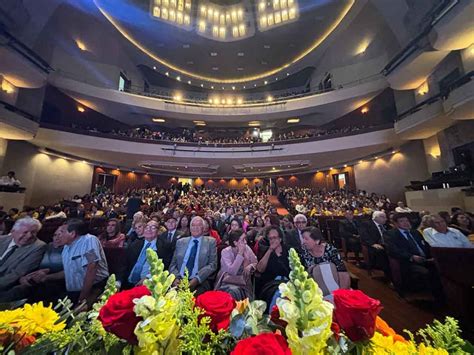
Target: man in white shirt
point(401, 208)
point(10, 180)
point(441, 236)
point(85, 266)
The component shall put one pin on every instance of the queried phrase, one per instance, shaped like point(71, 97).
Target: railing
point(443, 95)
point(223, 145)
point(19, 111)
point(169, 95)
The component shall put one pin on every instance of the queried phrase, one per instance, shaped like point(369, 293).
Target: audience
point(166, 242)
point(349, 231)
point(442, 236)
point(9, 180)
point(462, 222)
point(238, 262)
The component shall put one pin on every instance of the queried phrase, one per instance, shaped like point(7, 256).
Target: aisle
point(282, 211)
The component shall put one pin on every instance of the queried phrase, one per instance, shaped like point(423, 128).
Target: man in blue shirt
point(197, 254)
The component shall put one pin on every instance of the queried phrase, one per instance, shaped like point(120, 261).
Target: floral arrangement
point(158, 318)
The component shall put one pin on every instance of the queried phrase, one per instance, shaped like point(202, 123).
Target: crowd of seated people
point(232, 240)
point(186, 135)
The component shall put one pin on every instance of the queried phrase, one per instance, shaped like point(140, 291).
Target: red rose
point(117, 315)
point(262, 344)
point(218, 306)
point(355, 312)
point(275, 317)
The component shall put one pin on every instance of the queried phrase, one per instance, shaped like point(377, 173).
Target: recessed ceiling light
point(244, 86)
point(80, 109)
point(293, 120)
point(167, 74)
point(233, 87)
point(364, 110)
point(189, 82)
point(266, 46)
point(215, 68)
point(212, 87)
point(154, 67)
point(240, 54)
point(178, 78)
point(202, 85)
point(255, 85)
point(265, 82)
point(213, 54)
point(254, 123)
point(240, 69)
point(345, 165)
point(81, 45)
point(287, 74)
point(158, 120)
point(189, 62)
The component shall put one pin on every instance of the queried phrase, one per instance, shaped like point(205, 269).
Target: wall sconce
point(364, 110)
point(8, 87)
point(423, 89)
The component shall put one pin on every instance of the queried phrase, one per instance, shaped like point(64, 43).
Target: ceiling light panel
point(274, 13)
point(225, 23)
point(176, 12)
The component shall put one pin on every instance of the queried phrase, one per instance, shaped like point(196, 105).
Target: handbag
point(227, 279)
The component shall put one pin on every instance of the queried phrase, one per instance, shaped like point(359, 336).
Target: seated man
point(46, 283)
point(198, 255)
point(85, 266)
point(294, 238)
point(20, 253)
point(410, 249)
point(137, 265)
point(371, 235)
point(166, 243)
point(349, 231)
point(442, 236)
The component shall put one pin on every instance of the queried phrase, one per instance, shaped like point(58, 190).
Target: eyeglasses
point(151, 227)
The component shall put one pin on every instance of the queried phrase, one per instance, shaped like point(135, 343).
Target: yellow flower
point(241, 306)
point(8, 317)
point(427, 350)
point(38, 319)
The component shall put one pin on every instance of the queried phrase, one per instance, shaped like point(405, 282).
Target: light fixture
point(423, 89)
point(361, 161)
point(254, 124)
point(167, 74)
point(80, 109)
point(189, 82)
point(8, 87)
point(158, 120)
point(154, 67)
point(178, 78)
point(364, 110)
point(265, 82)
point(178, 97)
point(345, 165)
point(293, 120)
point(81, 45)
point(269, 98)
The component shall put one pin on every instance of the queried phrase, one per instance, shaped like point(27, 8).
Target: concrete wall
point(467, 57)
point(48, 179)
point(437, 200)
point(390, 175)
point(433, 154)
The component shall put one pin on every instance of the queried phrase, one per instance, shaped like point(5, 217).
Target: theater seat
point(116, 258)
point(455, 266)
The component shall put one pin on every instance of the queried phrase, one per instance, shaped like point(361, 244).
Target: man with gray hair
point(372, 235)
point(442, 236)
point(196, 254)
point(294, 238)
point(20, 252)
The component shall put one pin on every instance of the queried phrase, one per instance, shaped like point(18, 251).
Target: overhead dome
point(263, 38)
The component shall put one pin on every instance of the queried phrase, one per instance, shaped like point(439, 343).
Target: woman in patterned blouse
point(317, 252)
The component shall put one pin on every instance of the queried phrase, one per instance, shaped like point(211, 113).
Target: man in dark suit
point(349, 231)
point(411, 250)
point(293, 238)
point(371, 235)
point(20, 253)
point(166, 242)
point(197, 254)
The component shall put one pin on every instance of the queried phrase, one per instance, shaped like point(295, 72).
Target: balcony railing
point(266, 146)
point(19, 111)
point(199, 99)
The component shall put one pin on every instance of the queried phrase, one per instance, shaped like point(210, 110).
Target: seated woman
point(138, 228)
point(274, 267)
point(235, 224)
point(463, 223)
point(208, 230)
point(323, 262)
point(112, 237)
point(183, 226)
point(238, 262)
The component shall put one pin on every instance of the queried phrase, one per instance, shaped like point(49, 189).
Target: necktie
point(8, 254)
point(137, 269)
point(192, 258)
point(413, 243)
point(382, 231)
point(170, 237)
